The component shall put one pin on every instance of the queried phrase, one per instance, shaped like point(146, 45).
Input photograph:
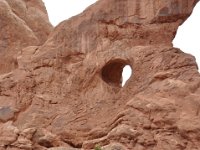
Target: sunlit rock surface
point(66, 94)
point(22, 23)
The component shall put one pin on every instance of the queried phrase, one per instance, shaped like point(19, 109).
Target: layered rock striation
point(67, 93)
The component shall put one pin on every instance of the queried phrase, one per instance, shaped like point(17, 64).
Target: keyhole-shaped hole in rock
point(116, 72)
point(126, 74)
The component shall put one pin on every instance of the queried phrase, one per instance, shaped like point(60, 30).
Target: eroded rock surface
point(22, 23)
point(67, 94)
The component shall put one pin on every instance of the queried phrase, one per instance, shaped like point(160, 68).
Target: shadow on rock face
point(112, 72)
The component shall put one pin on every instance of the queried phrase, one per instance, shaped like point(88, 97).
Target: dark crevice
point(73, 145)
point(46, 144)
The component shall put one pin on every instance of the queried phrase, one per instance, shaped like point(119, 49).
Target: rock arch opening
point(116, 72)
point(126, 74)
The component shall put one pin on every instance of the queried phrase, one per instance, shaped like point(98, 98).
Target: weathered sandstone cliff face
point(67, 93)
point(22, 23)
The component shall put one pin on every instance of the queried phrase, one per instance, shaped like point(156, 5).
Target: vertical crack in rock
point(137, 10)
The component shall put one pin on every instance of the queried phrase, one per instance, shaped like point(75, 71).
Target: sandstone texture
point(66, 94)
point(22, 23)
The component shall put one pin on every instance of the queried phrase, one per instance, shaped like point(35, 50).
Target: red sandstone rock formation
point(22, 23)
point(67, 94)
